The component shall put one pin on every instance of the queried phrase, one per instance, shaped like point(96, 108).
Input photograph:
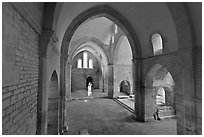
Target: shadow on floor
point(106, 117)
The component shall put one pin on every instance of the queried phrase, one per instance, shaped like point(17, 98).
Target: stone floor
point(103, 116)
point(80, 94)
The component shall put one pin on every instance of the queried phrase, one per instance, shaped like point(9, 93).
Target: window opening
point(85, 59)
point(90, 63)
point(79, 63)
point(157, 43)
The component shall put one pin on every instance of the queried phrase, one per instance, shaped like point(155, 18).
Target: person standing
point(89, 89)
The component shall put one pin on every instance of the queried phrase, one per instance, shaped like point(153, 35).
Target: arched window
point(112, 38)
point(115, 29)
point(79, 63)
point(90, 63)
point(85, 60)
point(157, 43)
point(160, 97)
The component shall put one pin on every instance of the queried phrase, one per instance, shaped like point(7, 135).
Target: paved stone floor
point(78, 94)
point(106, 117)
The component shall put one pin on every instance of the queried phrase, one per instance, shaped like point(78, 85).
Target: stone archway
point(122, 64)
point(101, 11)
point(125, 87)
point(159, 94)
point(53, 106)
point(89, 79)
point(182, 30)
point(96, 50)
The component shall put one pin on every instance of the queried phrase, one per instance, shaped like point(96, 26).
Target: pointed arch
point(159, 92)
point(53, 105)
point(91, 13)
point(109, 13)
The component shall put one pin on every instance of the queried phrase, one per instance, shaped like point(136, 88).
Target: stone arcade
point(143, 56)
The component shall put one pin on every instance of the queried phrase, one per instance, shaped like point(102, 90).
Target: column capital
point(44, 41)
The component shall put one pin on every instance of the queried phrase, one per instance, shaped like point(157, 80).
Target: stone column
point(133, 77)
point(139, 90)
point(105, 79)
point(150, 103)
point(101, 81)
point(110, 81)
point(42, 92)
point(198, 88)
point(189, 94)
point(68, 81)
point(62, 114)
point(134, 84)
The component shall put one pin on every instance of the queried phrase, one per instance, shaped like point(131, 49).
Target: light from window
point(91, 64)
point(79, 63)
point(116, 29)
point(157, 43)
point(160, 97)
point(112, 39)
point(85, 60)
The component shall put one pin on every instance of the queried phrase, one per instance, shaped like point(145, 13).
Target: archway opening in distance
point(122, 64)
point(120, 21)
point(159, 93)
point(81, 76)
point(53, 106)
point(125, 87)
point(89, 79)
point(113, 42)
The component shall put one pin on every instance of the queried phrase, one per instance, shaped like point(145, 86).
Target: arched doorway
point(89, 79)
point(53, 106)
point(159, 93)
point(122, 64)
point(85, 67)
point(100, 11)
point(175, 13)
point(125, 87)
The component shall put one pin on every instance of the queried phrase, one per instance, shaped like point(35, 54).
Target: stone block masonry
point(20, 73)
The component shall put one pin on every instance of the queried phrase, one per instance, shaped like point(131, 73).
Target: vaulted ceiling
point(100, 28)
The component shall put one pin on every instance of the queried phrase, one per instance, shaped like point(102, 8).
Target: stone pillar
point(139, 90)
point(133, 88)
point(198, 88)
point(62, 112)
point(150, 103)
point(43, 81)
point(68, 81)
point(189, 106)
point(105, 79)
point(101, 81)
point(110, 81)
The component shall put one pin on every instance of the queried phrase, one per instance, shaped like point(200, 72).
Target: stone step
point(122, 97)
point(124, 105)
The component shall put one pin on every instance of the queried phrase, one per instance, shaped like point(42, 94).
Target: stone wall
point(121, 73)
point(123, 67)
point(79, 78)
point(20, 73)
point(198, 83)
point(79, 75)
